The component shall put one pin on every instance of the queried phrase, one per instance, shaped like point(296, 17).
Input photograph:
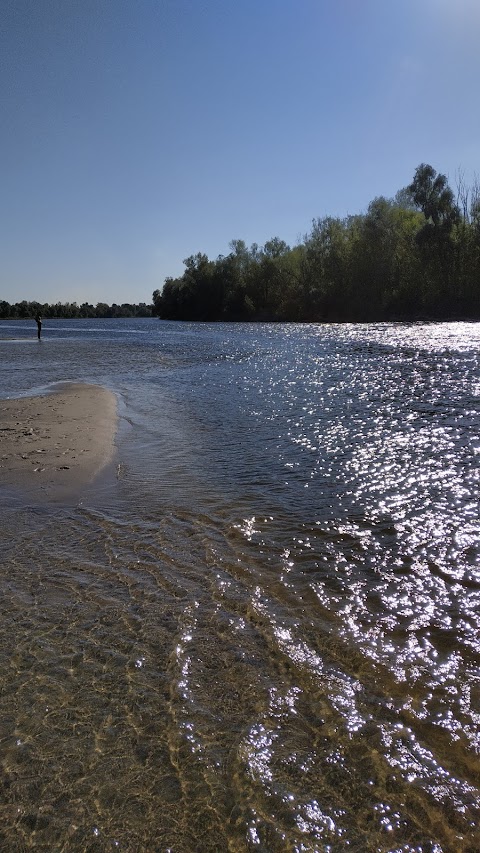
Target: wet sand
point(56, 443)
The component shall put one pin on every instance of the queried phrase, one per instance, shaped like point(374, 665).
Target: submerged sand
point(56, 443)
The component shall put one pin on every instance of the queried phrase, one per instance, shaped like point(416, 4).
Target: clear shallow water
point(264, 634)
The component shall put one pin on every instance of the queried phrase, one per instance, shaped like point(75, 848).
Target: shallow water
point(262, 633)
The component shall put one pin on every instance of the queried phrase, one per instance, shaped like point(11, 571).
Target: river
point(260, 629)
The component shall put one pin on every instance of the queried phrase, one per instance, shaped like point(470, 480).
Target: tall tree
point(433, 196)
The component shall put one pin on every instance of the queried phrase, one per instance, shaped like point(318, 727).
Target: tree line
point(70, 310)
point(414, 256)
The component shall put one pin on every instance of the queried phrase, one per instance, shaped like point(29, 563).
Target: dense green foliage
point(414, 256)
point(70, 310)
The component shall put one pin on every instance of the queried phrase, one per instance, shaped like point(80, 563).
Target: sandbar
point(56, 443)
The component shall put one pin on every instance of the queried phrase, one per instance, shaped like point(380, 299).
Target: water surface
point(261, 634)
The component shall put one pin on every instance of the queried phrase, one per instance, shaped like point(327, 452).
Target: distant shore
point(56, 443)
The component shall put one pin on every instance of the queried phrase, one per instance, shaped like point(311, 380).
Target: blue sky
point(137, 132)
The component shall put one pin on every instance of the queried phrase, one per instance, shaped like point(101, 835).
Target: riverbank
point(56, 443)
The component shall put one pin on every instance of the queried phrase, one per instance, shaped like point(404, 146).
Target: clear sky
point(137, 132)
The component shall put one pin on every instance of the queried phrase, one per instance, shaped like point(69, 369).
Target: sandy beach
point(56, 443)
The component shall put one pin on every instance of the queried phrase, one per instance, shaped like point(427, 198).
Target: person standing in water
point(38, 321)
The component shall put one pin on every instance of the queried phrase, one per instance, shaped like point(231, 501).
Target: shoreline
point(56, 443)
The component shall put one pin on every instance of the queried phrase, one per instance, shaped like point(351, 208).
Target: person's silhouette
point(38, 321)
